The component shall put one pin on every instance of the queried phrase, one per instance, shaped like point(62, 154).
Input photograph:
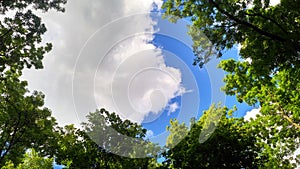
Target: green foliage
point(229, 146)
point(277, 130)
point(278, 94)
point(20, 36)
point(270, 38)
point(24, 121)
point(276, 143)
point(234, 143)
point(269, 35)
point(36, 4)
point(177, 133)
point(97, 145)
point(31, 160)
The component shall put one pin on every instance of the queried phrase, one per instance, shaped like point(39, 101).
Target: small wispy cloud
point(149, 134)
point(172, 108)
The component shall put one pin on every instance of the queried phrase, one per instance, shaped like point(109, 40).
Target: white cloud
point(274, 2)
point(117, 69)
point(252, 114)
point(149, 134)
point(249, 60)
point(137, 80)
point(238, 48)
point(172, 108)
point(297, 152)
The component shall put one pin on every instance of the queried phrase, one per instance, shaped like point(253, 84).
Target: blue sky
point(200, 77)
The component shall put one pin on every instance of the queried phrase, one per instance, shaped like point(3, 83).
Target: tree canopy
point(24, 121)
point(97, 146)
point(269, 35)
point(235, 143)
point(268, 76)
point(31, 160)
point(20, 36)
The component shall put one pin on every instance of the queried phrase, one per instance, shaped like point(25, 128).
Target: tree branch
point(282, 112)
point(243, 22)
point(267, 18)
point(288, 118)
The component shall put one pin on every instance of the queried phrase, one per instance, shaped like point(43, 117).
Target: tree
point(97, 146)
point(269, 37)
point(20, 36)
point(278, 94)
point(24, 121)
point(276, 144)
point(35, 4)
point(177, 133)
point(227, 147)
point(234, 143)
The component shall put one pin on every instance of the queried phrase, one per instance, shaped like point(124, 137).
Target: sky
point(120, 55)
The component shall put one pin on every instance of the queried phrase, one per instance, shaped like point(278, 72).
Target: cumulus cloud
point(136, 80)
point(103, 57)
